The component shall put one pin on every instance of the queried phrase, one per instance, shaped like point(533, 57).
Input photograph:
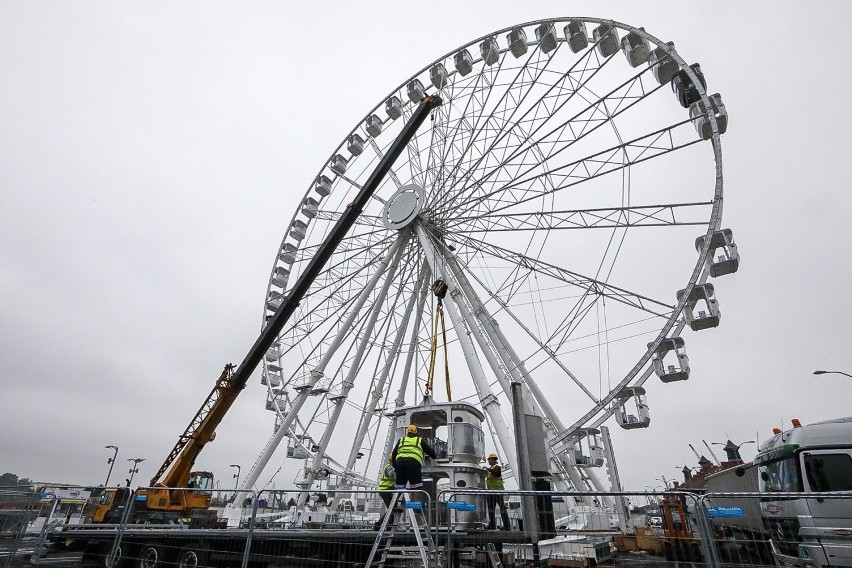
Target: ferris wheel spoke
point(587, 67)
point(363, 220)
point(511, 102)
point(611, 160)
point(318, 372)
point(379, 155)
point(535, 156)
point(561, 134)
point(334, 297)
point(504, 307)
point(350, 244)
point(674, 214)
point(378, 388)
point(594, 286)
point(358, 359)
point(552, 345)
point(476, 105)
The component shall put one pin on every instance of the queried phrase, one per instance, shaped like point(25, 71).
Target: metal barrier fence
point(18, 508)
point(271, 529)
point(785, 529)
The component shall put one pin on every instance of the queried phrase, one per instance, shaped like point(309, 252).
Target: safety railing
point(268, 528)
point(539, 528)
point(19, 507)
point(572, 529)
point(781, 528)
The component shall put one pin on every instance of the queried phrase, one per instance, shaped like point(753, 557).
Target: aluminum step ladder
point(491, 551)
point(425, 549)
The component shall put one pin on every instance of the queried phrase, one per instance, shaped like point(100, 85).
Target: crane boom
point(202, 428)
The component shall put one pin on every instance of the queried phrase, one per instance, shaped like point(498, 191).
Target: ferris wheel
point(568, 191)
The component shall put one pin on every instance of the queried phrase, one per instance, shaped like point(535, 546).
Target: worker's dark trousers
point(497, 500)
point(386, 497)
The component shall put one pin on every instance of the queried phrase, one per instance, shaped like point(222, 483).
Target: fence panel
point(784, 529)
point(570, 529)
point(19, 507)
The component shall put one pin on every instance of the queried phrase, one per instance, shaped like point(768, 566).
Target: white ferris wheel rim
point(410, 199)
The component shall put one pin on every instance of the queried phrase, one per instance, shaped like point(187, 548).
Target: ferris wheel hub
point(403, 206)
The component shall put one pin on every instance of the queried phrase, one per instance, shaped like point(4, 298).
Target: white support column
point(317, 373)
point(516, 367)
point(379, 386)
point(623, 510)
point(354, 368)
point(513, 363)
point(486, 397)
point(412, 342)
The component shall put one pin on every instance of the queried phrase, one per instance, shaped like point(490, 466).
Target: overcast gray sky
point(152, 153)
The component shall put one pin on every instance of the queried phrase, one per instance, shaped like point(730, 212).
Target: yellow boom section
point(200, 431)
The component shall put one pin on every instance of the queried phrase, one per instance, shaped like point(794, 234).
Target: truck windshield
point(780, 475)
point(829, 472)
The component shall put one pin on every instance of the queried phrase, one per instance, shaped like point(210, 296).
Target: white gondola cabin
point(545, 35)
point(670, 361)
point(517, 40)
point(630, 398)
point(463, 62)
point(393, 107)
point(438, 75)
point(702, 308)
point(700, 116)
point(606, 36)
point(490, 51)
point(373, 125)
point(576, 36)
point(355, 144)
point(288, 253)
point(723, 257)
point(663, 66)
point(635, 48)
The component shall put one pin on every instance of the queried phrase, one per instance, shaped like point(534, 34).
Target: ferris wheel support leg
point(515, 366)
point(379, 387)
point(355, 365)
point(317, 373)
point(513, 363)
point(486, 397)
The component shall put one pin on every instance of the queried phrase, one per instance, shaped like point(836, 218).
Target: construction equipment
point(176, 492)
point(679, 541)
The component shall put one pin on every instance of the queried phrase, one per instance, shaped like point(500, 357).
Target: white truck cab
point(815, 458)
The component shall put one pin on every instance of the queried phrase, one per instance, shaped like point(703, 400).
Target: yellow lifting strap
point(439, 288)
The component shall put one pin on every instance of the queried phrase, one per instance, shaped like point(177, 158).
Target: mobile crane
point(176, 492)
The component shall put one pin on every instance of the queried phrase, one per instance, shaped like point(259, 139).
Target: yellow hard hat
point(492, 455)
point(412, 428)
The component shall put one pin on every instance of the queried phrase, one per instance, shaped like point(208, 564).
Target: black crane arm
point(202, 427)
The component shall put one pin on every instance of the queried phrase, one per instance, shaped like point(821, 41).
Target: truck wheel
point(118, 560)
point(193, 555)
point(150, 556)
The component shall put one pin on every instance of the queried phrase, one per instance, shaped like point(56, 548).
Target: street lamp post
point(134, 468)
point(236, 475)
point(831, 373)
point(111, 462)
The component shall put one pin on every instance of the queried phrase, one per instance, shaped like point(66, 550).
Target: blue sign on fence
point(417, 505)
point(726, 512)
point(461, 506)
